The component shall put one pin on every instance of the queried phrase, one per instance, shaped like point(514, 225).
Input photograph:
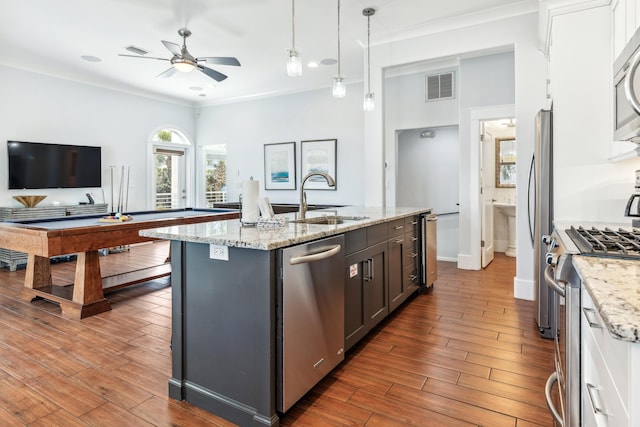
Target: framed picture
point(319, 156)
point(280, 166)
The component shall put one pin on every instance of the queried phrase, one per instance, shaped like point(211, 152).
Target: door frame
point(475, 199)
point(187, 145)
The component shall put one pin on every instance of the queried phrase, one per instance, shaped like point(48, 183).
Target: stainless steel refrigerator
point(540, 213)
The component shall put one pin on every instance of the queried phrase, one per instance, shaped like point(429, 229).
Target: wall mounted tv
point(38, 165)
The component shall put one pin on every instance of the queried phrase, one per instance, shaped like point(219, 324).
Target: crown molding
point(549, 9)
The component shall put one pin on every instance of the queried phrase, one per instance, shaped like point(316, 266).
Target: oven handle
point(629, 90)
point(553, 378)
point(559, 286)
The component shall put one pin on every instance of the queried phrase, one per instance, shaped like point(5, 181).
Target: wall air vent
point(440, 86)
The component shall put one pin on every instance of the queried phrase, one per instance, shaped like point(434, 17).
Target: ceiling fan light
point(294, 64)
point(339, 88)
point(183, 66)
point(369, 102)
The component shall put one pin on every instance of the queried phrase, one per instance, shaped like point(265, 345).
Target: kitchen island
point(227, 302)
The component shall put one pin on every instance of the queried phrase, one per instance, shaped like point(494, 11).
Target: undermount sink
point(329, 219)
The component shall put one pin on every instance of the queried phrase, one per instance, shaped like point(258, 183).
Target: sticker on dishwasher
point(353, 270)
point(219, 252)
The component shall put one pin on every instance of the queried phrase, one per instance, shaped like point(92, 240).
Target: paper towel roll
point(250, 209)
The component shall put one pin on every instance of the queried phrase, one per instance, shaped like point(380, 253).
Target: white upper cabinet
point(626, 20)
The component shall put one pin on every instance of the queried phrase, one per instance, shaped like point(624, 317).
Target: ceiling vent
point(136, 50)
point(440, 86)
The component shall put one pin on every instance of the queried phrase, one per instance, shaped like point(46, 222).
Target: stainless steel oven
point(626, 85)
point(561, 277)
point(597, 240)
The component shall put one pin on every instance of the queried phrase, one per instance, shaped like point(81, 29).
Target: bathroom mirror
point(505, 162)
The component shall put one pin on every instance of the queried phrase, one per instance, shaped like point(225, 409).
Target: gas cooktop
point(607, 242)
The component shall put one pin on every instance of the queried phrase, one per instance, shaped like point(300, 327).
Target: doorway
point(497, 187)
point(169, 171)
point(428, 175)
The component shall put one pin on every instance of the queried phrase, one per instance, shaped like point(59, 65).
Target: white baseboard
point(447, 259)
point(523, 289)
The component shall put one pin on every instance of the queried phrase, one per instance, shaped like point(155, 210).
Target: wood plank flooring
point(464, 354)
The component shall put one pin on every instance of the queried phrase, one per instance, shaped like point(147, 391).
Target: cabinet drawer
point(411, 224)
point(355, 241)
point(411, 249)
point(614, 351)
point(410, 273)
point(376, 234)
point(396, 228)
point(600, 399)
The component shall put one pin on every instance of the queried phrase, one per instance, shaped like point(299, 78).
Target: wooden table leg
point(37, 276)
point(88, 297)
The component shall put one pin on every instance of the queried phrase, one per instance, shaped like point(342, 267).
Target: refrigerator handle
point(532, 175)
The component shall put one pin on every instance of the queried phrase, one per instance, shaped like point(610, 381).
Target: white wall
point(530, 75)
point(245, 128)
point(405, 108)
point(39, 108)
point(587, 187)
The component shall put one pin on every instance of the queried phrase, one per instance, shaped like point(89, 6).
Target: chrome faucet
point(303, 196)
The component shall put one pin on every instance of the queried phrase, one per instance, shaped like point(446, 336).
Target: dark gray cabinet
point(403, 260)
point(381, 272)
point(366, 289)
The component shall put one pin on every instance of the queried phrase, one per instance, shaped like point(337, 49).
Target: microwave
point(626, 92)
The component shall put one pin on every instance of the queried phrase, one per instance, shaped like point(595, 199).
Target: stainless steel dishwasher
point(310, 330)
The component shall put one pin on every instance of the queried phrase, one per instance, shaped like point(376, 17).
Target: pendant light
point(339, 89)
point(368, 103)
point(294, 64)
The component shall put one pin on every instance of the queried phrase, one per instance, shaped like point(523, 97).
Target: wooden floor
point(465, 354)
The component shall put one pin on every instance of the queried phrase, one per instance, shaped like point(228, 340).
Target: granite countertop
point(232, 233)
point(614, 286)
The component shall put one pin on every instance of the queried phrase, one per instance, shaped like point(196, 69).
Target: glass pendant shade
point(339, 88)
point(369, 102)
point(294, 64)
point(183, 66)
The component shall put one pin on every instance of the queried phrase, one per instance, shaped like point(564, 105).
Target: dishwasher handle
point(316, 256)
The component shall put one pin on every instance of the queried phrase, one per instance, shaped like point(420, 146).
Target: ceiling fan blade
point(212, 73)
point(167, 73)
point(173, 48)
point(221, 60)
point(143, 57)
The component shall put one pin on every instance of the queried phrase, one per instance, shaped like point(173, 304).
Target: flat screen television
point(35, 165)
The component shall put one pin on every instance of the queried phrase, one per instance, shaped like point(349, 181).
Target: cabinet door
point(376, 305)
point(365, 292)
point(354, 320)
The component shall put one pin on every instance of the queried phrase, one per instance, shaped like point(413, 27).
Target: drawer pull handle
point(596, 407)
point(398, 227)
point(397, 242)
point(413, 255)
point(590, 315)
point(414, 239)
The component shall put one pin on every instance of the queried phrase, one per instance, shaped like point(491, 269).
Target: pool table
point(85, 235)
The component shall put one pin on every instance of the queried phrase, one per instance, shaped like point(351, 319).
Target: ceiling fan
point(183, 61)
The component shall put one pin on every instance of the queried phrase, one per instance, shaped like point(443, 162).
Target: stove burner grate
point(606, 242)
